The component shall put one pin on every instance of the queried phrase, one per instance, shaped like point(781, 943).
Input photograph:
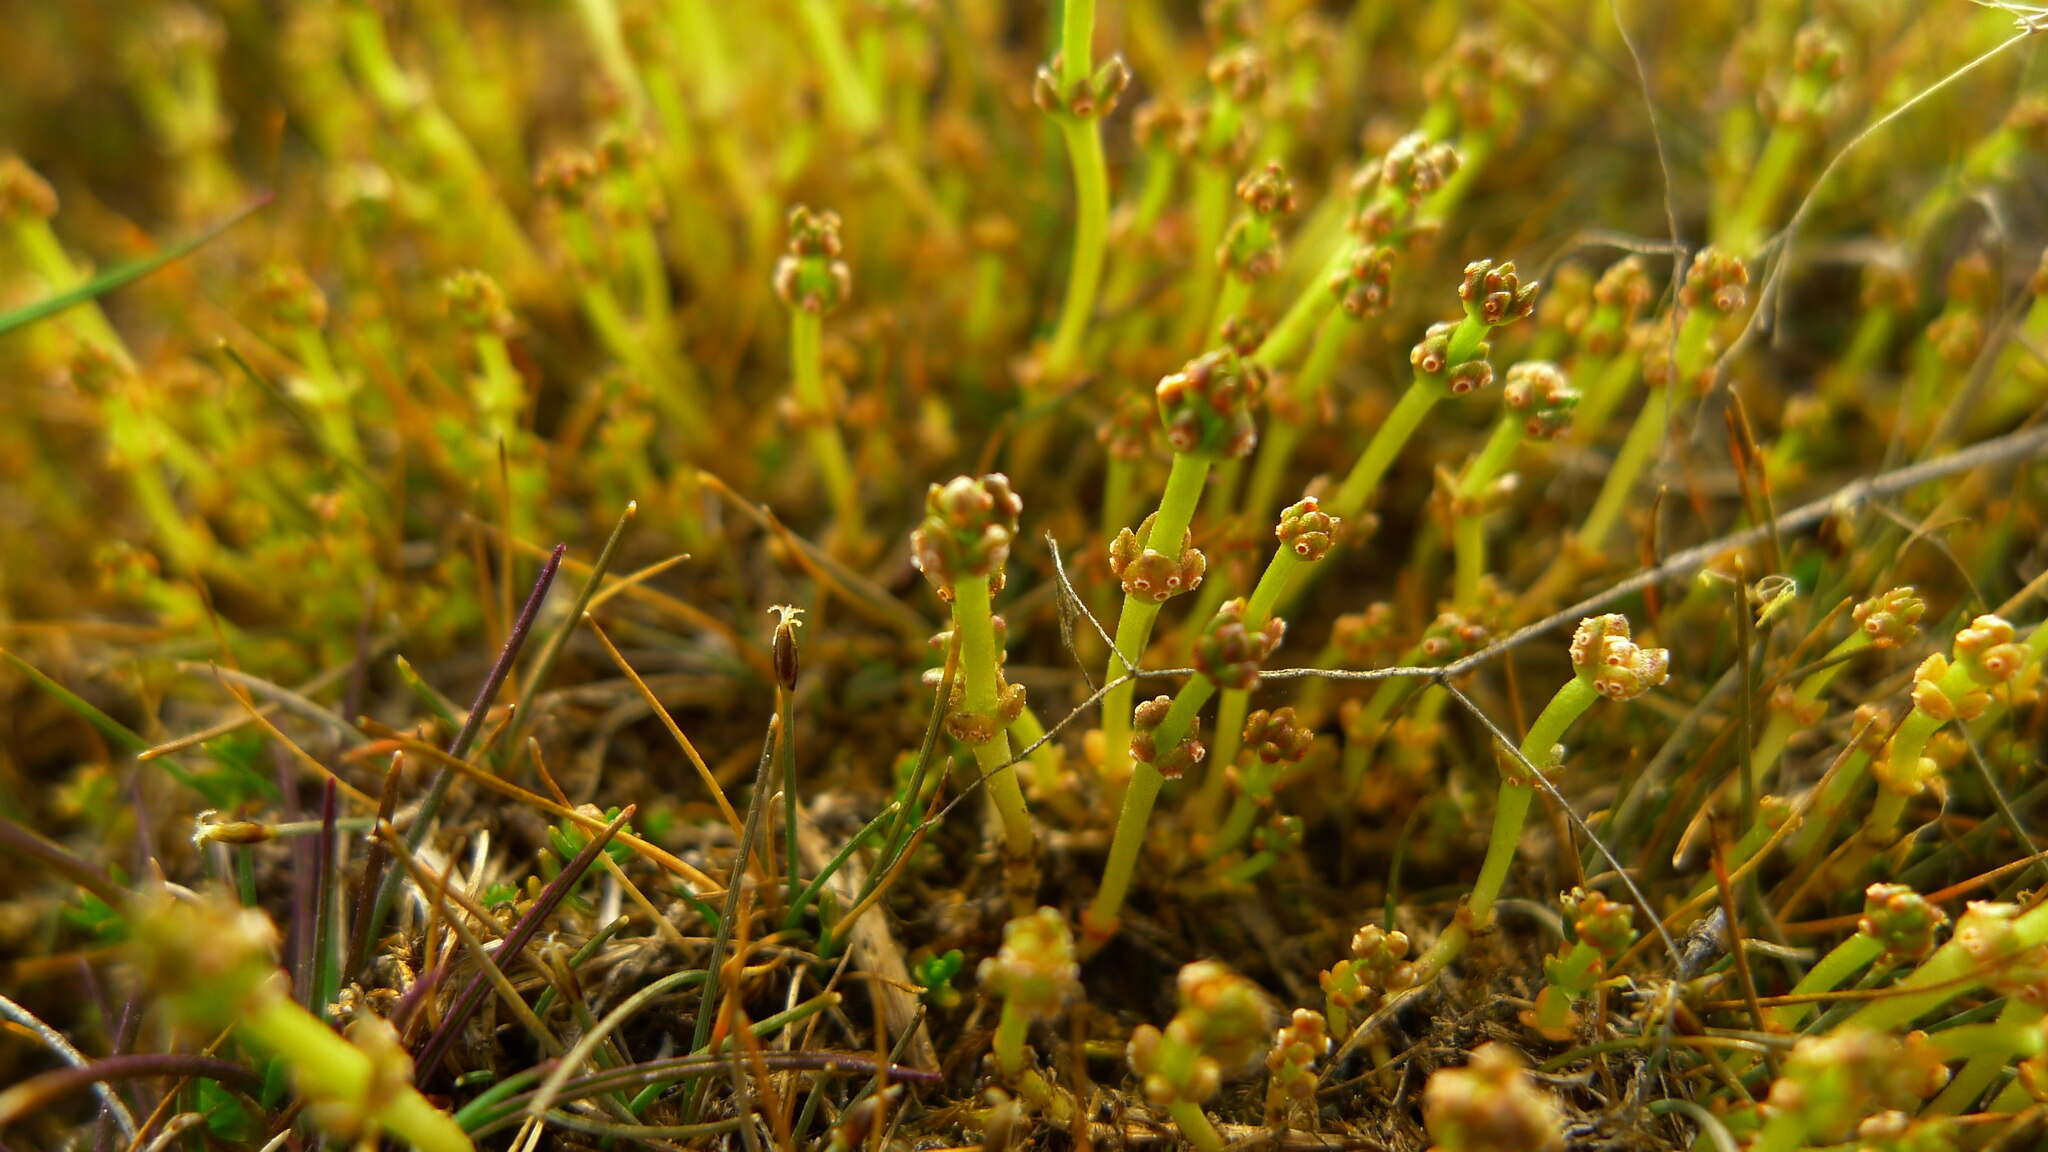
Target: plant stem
point(806, 340)
point(1468, 532)
point(327, 1066)
point(1365, 475)
point(1011, 1028)
point(1101, 918)
point(1195, 1126)
point(1510, 811)
point(1091, 230)
point(1771, 745)
point(980, 694)
point(1277, 445)
point(1134, 621)
point(1279, 575)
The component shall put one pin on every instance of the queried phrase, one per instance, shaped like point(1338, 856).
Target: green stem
point(1091, 231)
point(1364, 478)
point(1509, 814)
point(1276, 447)
point(852, 103)
point(1834, 970)
point(1629, 464)
point(1136, 814)
point(806, 340)
point(1011, 1028)
point(326, 1065)
point(1468, 533)
point(1771, 745)
point(1274, 582)
point(1195, 1126)
point(981, 694)
point(1134, 622)
point(2017, 1033)
point(1606, 383)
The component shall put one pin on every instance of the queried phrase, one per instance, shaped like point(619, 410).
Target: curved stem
point(1393, 433)
point(1091, 231)
point(1468, 532)
point(1136, 813)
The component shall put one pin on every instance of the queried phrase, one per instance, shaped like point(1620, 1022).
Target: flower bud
point(1491, 1105)
point(1902, 920)
point(476, 302)
point(811, 277)
point(1539, 392)
point(1890, 618)
point(1170, 762)
point(1275, 737)
point(1495, 293)
point(1231, 654)
point(1146, 572)
point(1206, 406)
point(1716, 280)
point(967, 530)
point(1036, 971)
point(1306, 530)
point(1365, 286)
point(1603, 653)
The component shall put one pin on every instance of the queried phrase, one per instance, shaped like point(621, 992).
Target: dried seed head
point(1231, 654)
point(1890, 618)
point(1540, 393)
point(1206, 406)
point(787, 620)
point(1036, 971)
point(1716, 280)
point(1491, 1105)
point(967, 530)
point(1901, 919)
point(1603, 653)
point(1306, 530)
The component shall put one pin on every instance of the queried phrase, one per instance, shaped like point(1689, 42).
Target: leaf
point(119, 276)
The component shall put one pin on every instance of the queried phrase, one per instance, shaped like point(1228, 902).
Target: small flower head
point(1365, 286)
point(1624, 286)
point(1127, 433)
point(1717, 280)
point(476, 302)
point(1603, 653)
point(1989, 652)
point(811, 276)
point(1275, 737)
point(1890, 618)
point(1206, 406)
point(1170, 762)
point(1221, 1013)
point(205, 959)
point(1836, 1079)
point(967, 530)
point(1901, 919)
point(1088, 99)
point(1452, 636)
point(1491, 1105)
point(1495, 293)
point(1267, 191)
point(1291, 1064)
point(1607, 926)
point(566, 176)
point(1230, 653)
point(1243, 334)
point(1935, 697)
point(1239, 74)
point(1147, 572)
point(1538, 391)
point(1364, 638)
point(1036, 970)
point(1306, 530)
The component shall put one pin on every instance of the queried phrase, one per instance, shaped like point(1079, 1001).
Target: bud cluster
point(1834, 1080)
point(1170, 762)
point(1150, 574)
point(1432, 357)
point(1088, 99)
point(1230, 653)
point(1251, 248)
point(1603, 653)
point(1378, 965)
point(1716, 280)
point(1035, 972)
point(1891, 617)
point(1491, 1105)
point(1221, 1025)
point(967, 530)
point(1538, 391)
point(1291, 1064)
point(1306, 530)
point(476, 302)
point(1365, 286)
point(1206, 406)
point(1902, 920)
point(811, 277)
point(1275, 737)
